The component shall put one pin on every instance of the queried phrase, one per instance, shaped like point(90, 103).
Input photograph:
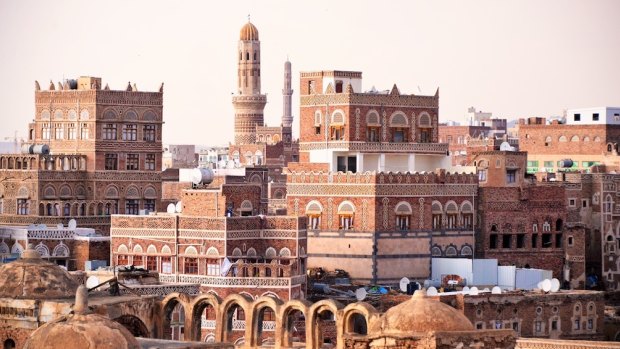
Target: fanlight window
point(345, 215)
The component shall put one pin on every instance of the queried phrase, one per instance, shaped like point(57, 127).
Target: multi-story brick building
point(91, 152)
point(369, 181)
point(584, 144)
point(219, 222)
point(524, 223)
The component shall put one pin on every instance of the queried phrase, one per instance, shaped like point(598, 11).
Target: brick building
point(91, 152)
point(585, 144)
point(369, 181)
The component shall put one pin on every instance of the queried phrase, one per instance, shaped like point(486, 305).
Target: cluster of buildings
point(374, 185)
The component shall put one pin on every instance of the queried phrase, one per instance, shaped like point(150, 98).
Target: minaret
point(249, 103)
point(287, 95)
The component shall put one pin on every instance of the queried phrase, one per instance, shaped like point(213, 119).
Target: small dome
point(248, 32)
point(422, 314)
point(82, 330)
point(31, 277)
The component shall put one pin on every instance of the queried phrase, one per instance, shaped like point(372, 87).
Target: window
point(317, 130)
point(493, 241)
point(577, 324)
point(132, 206)
point(506, 240)
point(133, 162)
point(137, 260)
point(402, 222)
point(572, 202)
point(482, 175)
point(109, 131)
point(339, 86)
point(577, 117)
point(22, 207)
point(548, 166)
point(149, 162)
point(554, 325)
point(534, 240)
point(520, 240)
point(546, 241)
point(595, 117)
point(448, 139)
point(213, 267)
point(190, 265)
point(71, 131)
point(399, 135)
point(436, 221)
point(511, 176)
point(111, 161)
point(558, 240)
point(59, 131)
point(130, 132)
point(538, 326)
point(336, 133)
point(570, 241)
point(346, 163)
point(84, 131)
point(315, 221)
point(425, 136)
point(149, 133)
point(149, 204)
point(45, 131)
point(373, 134)
point(151, 263)
point(590, 324)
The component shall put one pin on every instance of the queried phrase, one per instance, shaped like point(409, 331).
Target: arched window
point(437, 212)
point(346, 210)
point(574, 138)
point(399, 127)
point(191, 251)
point(452, 213)
point(373, 123)
point(43, 250)
point(562, 138)
point(436, 251)
point(61, 250)
point(270, 253)
point(451, 251)
point(467, 214)
point(466, 250)
point(313, 212)
point(246, 208)
point(403, 213)
point(336, 127)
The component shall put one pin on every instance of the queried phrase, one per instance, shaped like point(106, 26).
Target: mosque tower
point(287, 94)
point(249, 102)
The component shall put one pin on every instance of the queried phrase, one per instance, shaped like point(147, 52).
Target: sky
point(513, 58)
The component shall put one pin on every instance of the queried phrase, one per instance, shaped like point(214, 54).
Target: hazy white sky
point(513, 58)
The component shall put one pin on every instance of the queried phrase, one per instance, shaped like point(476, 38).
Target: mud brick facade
point(104, 156)
point(219, 221)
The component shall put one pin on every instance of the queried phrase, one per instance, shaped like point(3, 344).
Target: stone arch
point(212, 251)
point(424, 120)
point(338, 117)
point(313, 328)
point(270, 252)
point(134, 324)
point(285, 320)
point(61, 250)
point(43, 250)
point(132, 192)
point(403, 208)
point(399, 119)
point(49, 192)
point(226, 312)
point(357, 318)
point(198, 306)
point(167, 307)
point(111, 192)
point(130, 115)
point(373, 119)
point(256, 315)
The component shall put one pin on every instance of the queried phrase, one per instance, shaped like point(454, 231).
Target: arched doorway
point(9, 344)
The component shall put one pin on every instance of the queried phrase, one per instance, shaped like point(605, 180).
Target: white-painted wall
point(356, 83)
point(607, 115)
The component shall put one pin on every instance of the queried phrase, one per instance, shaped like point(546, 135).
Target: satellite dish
point(360, 294)
point(404, 282)
point(427, 283)
point(466, 289)
point(179, 207)
point(431, 291)
point(546, 285)
point(473, 291)
point(505, 146)
point(555, 285)
point(72, 224)
point(60, 226)
point(92, 281)
point(496, 290)
point(486, 289)
point(171, 208)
